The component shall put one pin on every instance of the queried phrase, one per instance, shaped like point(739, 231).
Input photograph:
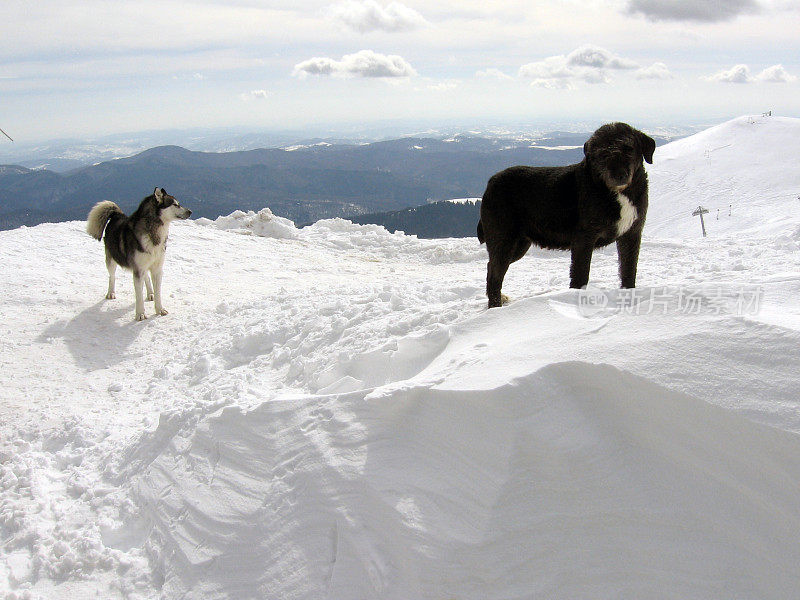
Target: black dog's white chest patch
point(627, 213)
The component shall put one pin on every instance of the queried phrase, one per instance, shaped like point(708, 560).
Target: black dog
point(579, 207)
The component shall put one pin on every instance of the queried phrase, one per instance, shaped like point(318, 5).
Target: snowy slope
point(331, 412)
point(744, 171)
point(575, 481)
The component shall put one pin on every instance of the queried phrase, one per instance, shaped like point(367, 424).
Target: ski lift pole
point(701, 211)
point(5, 134)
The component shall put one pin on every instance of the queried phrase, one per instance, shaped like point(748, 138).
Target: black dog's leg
point(495, 272)
point(581, 261)
point(520, 249)
point(628, 253)
point(500, 257)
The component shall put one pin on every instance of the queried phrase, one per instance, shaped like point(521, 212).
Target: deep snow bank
point(575, 481)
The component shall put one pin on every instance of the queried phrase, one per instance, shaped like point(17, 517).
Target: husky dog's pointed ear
point(648, 145)
point(159, 194)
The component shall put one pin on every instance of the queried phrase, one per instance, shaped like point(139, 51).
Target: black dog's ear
point(648, 145)
point(586, 148)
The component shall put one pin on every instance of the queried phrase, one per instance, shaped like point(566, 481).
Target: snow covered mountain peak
point(744, 171)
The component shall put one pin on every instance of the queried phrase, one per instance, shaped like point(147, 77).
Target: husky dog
point(137, 242)
point(602, 199)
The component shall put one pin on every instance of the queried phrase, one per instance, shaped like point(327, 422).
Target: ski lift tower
point(701, 211)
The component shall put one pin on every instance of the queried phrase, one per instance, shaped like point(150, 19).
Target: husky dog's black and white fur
point(602, 199)
point(137, 242)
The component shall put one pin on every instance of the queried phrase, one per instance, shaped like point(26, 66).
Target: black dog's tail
point(481, 239)
point(99, 216)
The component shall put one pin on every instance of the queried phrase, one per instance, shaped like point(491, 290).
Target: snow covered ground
point(332, 413)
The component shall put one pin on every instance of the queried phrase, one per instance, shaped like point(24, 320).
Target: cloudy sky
point(93, 67)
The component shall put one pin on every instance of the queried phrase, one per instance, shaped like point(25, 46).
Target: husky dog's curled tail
point(99, 216)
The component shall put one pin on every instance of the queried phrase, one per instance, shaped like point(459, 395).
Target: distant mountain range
point(69, 154)
point(303, 182)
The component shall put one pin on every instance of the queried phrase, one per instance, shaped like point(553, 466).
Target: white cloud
point(254, 95)
point(552, 67)
point(196, 76)
point(553, 84)
point(444, 86)
point(655, 71)
point(594, 76)
point(365, 63)
point(368, 15)
point(493, 74)
point(596, 57)
point(736, 74)
point(741, 74)
point(586, 63)
point(776, 74)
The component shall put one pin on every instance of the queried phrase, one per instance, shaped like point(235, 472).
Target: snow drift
point(576, 481)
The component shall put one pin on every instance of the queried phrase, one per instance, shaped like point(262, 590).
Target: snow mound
point(375, 242)
point(744, 171)
point(263, 223)
point(371, 242)
point(575, 481)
